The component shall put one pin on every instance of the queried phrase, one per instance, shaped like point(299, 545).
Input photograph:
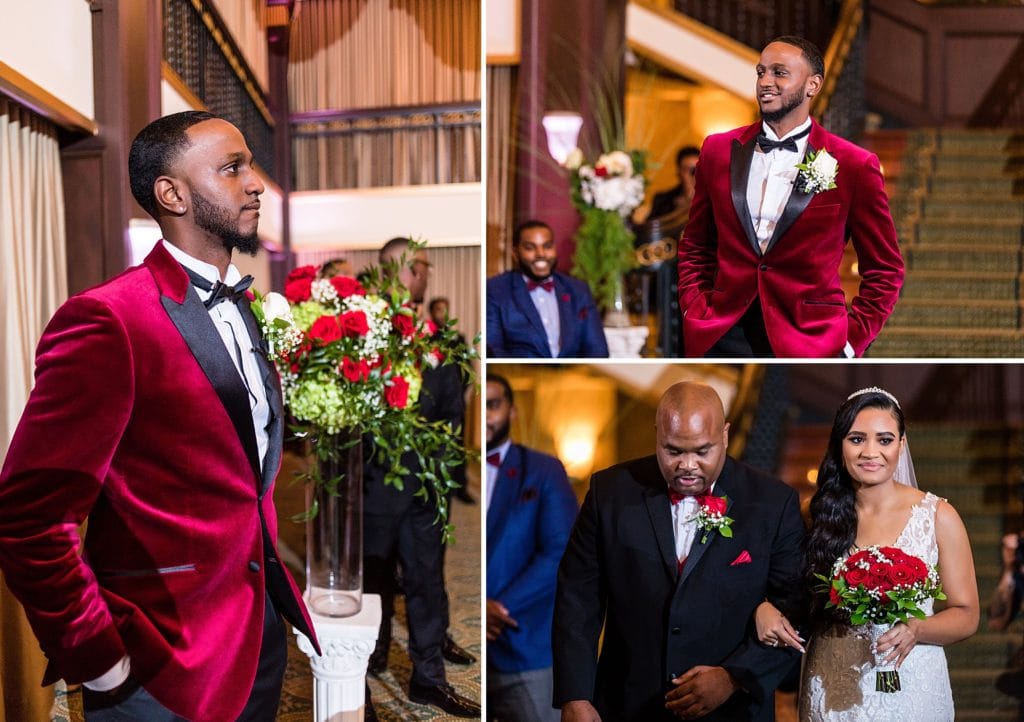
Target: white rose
point(575, 159)
point(825, 165)
point(617, 163)
point(276, 306)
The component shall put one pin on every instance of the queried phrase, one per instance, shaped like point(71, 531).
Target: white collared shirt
point(547, 308)
point(770, 182)
point(684, 523)
point(492, 471)
point(228, 321)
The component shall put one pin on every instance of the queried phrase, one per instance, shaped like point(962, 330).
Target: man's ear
point(168, 196)
point(814, 84)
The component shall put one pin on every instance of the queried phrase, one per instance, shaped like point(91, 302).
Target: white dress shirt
point(770, 182)
point(684, 524)
point(492, 471)
point(547, 307)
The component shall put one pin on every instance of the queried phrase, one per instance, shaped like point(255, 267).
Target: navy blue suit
point(514, 328)
point(528, 523)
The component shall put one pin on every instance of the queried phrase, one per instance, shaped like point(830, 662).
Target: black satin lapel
point(661, 521)
point(794, 207)
point(272, 386)
point(697, 550)
point(739, 172)
point(196, 327)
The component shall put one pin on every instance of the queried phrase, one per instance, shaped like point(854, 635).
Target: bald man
point(674, 583)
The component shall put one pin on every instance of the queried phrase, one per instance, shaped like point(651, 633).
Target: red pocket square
point(743, 558)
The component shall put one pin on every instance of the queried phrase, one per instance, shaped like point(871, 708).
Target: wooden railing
point(756, 22)
point(439, 130)
point(1003, 103)
point(198, 49)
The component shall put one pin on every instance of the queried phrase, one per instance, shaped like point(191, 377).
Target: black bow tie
point(767, 145)
point(219, 291)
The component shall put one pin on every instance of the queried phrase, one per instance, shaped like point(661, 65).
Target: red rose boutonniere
point(711, 516)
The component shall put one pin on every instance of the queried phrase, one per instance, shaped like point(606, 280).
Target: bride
point(867, 496)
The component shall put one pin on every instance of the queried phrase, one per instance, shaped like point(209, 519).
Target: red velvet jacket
point(138, 422)
point(721, 269)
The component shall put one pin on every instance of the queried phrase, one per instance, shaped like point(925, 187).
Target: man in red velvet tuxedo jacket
point(157, 416)
point(759, 258)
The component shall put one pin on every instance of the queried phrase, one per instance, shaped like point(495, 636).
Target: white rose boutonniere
point(817, 173)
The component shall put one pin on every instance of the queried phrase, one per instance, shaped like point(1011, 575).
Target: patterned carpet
point(462, 574)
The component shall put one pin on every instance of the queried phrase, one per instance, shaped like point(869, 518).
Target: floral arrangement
point(817, 173)
point(605, 194)
point(351, 357)
point(881, 585)
point(711, 516)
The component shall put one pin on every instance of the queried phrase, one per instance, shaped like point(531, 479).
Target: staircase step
point(983, 185)
point(961, 207)
point(938, 312)
point(974, 694)
point(946, 342)
point(961, 257)
point(981, 231)
point(939, 285)
point(970, 163)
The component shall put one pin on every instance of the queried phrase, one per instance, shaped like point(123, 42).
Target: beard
point(789, 104)
point(498, 435)
point(218, 221)
point(527, 270)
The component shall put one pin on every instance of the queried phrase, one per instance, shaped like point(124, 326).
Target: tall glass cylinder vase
point(334, 535)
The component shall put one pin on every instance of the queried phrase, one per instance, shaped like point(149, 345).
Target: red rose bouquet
point(881, 586)
point(351, 357)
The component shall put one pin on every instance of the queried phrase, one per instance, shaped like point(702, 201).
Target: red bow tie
point(494, 459)
point(547, 285)
point(675, 497)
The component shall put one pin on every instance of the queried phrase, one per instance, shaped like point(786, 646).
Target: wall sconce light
point(563, 131)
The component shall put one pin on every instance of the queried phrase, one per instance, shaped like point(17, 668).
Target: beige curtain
point(358, 54)
point(33, 283)
point(454, 274)
point(501, 133)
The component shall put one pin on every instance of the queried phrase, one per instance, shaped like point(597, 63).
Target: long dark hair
point(833, 506)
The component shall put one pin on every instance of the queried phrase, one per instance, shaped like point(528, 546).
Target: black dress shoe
point(454, 653)
point(443, 695)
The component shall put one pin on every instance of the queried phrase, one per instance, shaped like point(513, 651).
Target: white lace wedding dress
point(838, 679)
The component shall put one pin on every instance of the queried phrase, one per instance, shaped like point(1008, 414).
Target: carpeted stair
point(959, 212)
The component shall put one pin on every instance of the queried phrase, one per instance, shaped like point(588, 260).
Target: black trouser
point(747, 339)
point(132, 703)
point(413, 540)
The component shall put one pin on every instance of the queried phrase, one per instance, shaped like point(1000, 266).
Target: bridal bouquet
point(605, 193)
point(351, 357)
point(881, 586)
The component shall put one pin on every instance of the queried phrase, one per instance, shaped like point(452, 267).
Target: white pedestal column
point(625, 341)
point(339, 675)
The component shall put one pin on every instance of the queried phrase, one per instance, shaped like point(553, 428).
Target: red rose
point(301, 273)
point(880, 570)
point(833, 596)
point(918, 568)
point(325, 329)
point(714, 504)
point(901, 574)
point(403, 324)
point(855, 576)
point(355, 370)
point(347, 286)
point(298, 290)
point(858, 557)
point(882, 584)
point(600, 171)
point(353, 323)
point(397, 393)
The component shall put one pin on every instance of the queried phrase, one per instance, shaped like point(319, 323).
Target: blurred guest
point(676, 200)
point(537, 312)
point(336, 267)
point(530, 512)
point(438, 310)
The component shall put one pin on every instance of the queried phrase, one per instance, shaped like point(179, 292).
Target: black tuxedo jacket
point(620, 570)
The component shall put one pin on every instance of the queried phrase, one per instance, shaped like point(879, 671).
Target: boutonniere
point(711, 516)
point(817, 173)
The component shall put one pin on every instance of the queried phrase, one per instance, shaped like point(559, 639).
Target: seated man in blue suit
point(530, 511)
point(536, 312)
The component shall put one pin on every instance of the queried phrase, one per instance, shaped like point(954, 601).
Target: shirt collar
point(766, 129)
point(501, 451)
point(204, 269)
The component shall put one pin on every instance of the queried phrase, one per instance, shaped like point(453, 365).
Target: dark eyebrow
point(239, 156)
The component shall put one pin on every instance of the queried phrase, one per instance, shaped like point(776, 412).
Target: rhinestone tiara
point(875, 390)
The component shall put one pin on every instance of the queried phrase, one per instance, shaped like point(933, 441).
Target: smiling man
point(155, 416)
point(537, 312)
point(759, 258)
point(648, 561)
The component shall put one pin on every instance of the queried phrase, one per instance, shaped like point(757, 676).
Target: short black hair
point(434, 302)
point(155, 148)
point(686, 151)
point(808, 49)
point(503, 383)
point(525, 226)
point(392, 246)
